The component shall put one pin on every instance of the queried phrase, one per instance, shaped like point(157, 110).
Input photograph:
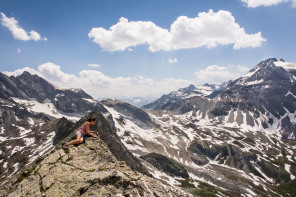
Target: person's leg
point(78, 140)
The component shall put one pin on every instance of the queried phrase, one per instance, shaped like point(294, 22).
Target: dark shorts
point(80, 133)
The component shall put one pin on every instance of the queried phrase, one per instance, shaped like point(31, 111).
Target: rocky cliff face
point(88, 169)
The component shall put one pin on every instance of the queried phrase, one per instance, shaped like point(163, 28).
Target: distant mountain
point(128, 110)
point(30, 88)
point(206, 90)
point(239, 142)
point(137, 101)
point(264, 98)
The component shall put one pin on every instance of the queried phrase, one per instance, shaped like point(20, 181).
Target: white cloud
point(98, 84)
point(94, 65)
point(126, 34)
point(18, 50)
point(173, 60)
point(18, 32)
point(257, 3)
point(20, 71)
point(218, 74)
point(208, 29)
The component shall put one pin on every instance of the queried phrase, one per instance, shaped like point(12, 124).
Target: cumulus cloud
point(173, 60)
point(218, 74)
point(20, 71)
point(98, 84)
point(18, 32)
point(257, 3)
point(208, 29)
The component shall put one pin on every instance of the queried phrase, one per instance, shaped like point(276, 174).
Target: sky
point(140, 48)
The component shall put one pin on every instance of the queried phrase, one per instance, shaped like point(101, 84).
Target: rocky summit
point(88, 169)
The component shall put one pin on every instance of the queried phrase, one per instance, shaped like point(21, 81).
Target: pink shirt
point(83, 130)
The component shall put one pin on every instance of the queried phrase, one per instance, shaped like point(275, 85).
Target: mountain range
point(205, 91)
point(236, 139)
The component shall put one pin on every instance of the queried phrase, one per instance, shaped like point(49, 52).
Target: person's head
point(91, 120)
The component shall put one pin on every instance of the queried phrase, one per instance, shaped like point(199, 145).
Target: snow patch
point(16, 149)
point(90, 100)
point(286, 65)
point(291, 136)
point(47, 108)
point(254, 82)
point(287, 168)
point(2, 130)
point(29, 141)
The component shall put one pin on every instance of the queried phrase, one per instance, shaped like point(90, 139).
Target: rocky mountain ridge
point(29, 87)
point(89, 169)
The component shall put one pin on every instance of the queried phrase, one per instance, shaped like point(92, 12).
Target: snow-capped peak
point(286, 65)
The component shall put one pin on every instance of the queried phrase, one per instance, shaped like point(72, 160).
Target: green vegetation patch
point(238, 143)
point(166, 165)
point(286, 189)
point(186, 184)
point(279, 174)
point(249, 140)
point(179, 131)
point(206, 190)
point(208, 149)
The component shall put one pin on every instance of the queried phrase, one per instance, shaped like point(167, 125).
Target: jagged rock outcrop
point(88, 169)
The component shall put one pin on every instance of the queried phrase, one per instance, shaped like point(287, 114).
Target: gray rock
point(89, 169)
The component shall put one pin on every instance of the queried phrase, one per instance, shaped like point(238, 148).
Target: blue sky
point(116, 49)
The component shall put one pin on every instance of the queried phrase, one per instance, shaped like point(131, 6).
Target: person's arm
point(89, 132)
point(95, 132)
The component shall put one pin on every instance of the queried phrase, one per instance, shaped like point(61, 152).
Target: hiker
point(85, 129)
